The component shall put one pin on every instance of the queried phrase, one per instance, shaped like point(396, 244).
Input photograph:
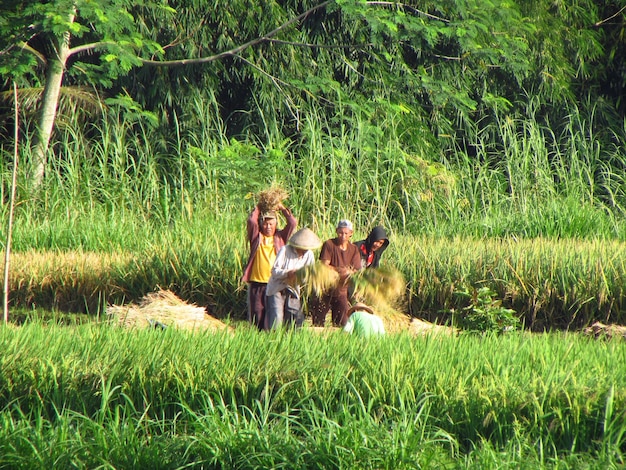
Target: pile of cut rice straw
point(162, 309)
point(316, 279)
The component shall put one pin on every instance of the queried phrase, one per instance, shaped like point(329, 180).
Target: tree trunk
point(7, 247)
point(49, 106)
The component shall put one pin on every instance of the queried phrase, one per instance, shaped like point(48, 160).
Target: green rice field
point(98, 396)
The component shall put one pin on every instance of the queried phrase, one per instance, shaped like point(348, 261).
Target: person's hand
point(344, 272)
point(280, 206)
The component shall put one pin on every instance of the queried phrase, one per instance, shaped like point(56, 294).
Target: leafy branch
point(235, 50)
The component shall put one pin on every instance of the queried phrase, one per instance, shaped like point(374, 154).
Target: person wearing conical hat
point(283, 304)
point(362, 321)
point(265, 241)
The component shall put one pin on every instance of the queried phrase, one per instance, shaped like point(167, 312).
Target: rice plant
point(102, 395)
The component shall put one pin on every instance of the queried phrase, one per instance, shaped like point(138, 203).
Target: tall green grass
point(551, 283)
point(530, 178)
point(374, 163)
point(96, 395)
point(175, 203)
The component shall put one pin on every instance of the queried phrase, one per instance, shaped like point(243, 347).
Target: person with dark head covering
point(372, 248)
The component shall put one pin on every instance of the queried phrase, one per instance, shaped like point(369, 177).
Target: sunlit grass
point(103, 394)
point(554, 282)
point(551, 283)
point(532, 212)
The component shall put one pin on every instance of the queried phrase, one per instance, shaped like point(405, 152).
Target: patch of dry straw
point(394, 320)
point(164, 308)
point(600, 330)
point(419, 327)
point(384, 289)
point(270, 199)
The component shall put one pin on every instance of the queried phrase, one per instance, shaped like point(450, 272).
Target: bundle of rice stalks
point(383, 285)
point(422, 328)
point(317, 278)
point(383, 289)
point(394, 320)
point(163, 309)
point(270, 199)
point(600, 330)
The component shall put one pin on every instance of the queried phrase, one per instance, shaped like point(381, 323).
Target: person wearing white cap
point(265, 242)
point(344, 257)
point(283, 304)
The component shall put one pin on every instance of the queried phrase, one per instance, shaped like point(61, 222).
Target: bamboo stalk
point(11, 206)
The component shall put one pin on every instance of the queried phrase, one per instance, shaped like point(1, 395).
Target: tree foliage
point(453, 69)
point(48, 42)
point(103, 34)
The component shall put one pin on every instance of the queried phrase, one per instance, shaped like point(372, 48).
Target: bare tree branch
point(408, 7)
point(88, 47)
point(268, 37)
point(317, 46)
point(7, 249)
point(235, 50)
point(600, 23)
point(24, 45)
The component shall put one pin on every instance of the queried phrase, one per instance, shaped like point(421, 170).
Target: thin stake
point(11, 206)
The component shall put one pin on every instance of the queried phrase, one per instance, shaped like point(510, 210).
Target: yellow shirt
point(263, 260)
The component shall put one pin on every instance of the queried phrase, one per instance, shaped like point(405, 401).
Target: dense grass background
point(550, 283)
point(97, 395)
point(536, 217)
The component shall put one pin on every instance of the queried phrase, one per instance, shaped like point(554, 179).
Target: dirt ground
point(162, 309)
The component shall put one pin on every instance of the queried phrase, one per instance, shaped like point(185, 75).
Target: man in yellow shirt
point(265, 241)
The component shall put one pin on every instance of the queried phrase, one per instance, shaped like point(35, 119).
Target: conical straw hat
point(361, 307)
point(305, 239)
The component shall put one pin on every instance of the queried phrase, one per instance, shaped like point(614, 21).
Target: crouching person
point(283, 304)
point(363, 322)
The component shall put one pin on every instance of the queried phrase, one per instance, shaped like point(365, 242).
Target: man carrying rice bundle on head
point(265, 241)
point(283, 304)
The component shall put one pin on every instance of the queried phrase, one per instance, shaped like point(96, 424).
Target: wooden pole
point(7, 250)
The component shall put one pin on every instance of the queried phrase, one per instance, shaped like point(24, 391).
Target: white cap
point(344, 223)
